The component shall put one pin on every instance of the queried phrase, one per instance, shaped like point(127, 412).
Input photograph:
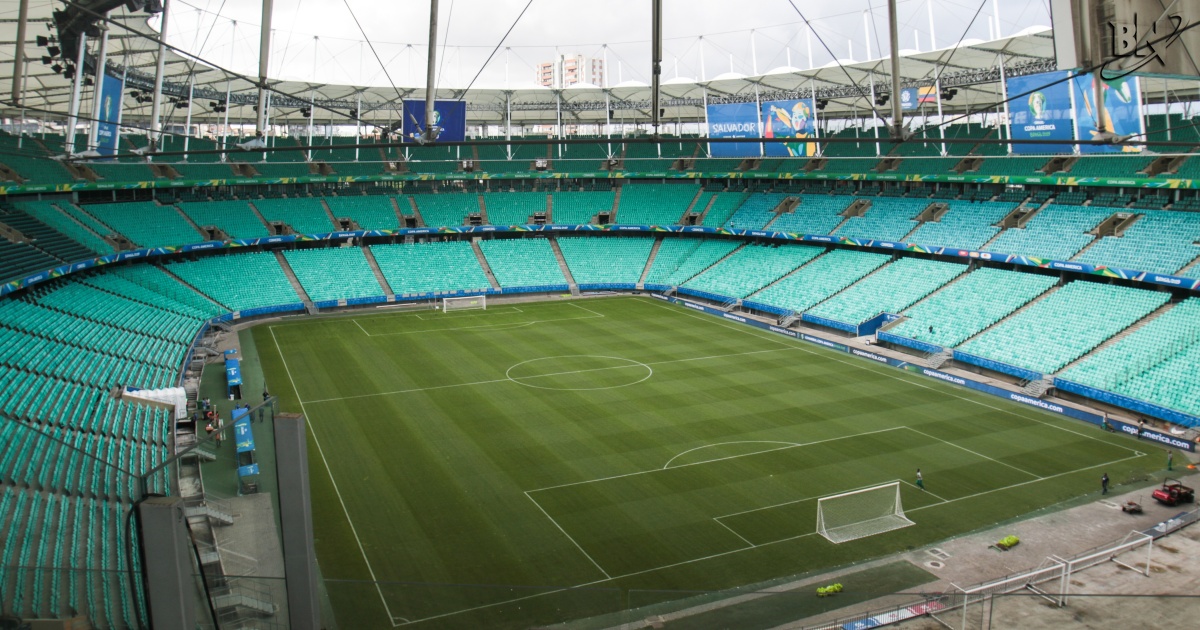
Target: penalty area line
point(569, 537)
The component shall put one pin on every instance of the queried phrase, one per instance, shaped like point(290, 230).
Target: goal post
point(861, 513)
point(469, 303)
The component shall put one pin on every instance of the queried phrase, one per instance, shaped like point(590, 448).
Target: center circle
point(579, 372)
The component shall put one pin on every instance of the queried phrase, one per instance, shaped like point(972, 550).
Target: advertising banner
point(789, 119)
point(451, 116)
point(912, 98)
point(1040, 111)
point(1118, 108)
point(109, 115)
point(733, 120)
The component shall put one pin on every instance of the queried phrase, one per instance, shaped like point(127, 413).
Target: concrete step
point(387, 288)
point(562, 264)
point(291, 276)
point(641, 283)
point(483, 262)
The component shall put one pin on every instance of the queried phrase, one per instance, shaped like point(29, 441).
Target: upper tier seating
point(305, 214)
point(1161, 241)
point(723, 206)
point(146, 223)
point(578, 208)
point(678, 259)
point(239, 281)
point(1056, 232)
point(42, 236)
point(889, 290)
point(967, 225)
point(235, 218)
point(751, 268)
point(32, 161)
point(654, 204)
point(605, 260)
point(825, 276)
point(1152, 362)
point(816, 214)
point(513, 208)
point(333, 273)
point(20, 259)
point(964, 308)
point(446, 209)
point(888, 219)
point(371, 212)
point(431, 267)
point(47, 212)
point(1064, 325)
point(757, 211)
point(523, 262)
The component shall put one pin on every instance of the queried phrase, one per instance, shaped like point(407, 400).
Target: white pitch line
point(866, 366)
point(731, 530)
point(356, 324)
point(569, 537)
point(710, 461)
point(915, 487)
point(975, 453)
point(333, 481)
point(668, 464)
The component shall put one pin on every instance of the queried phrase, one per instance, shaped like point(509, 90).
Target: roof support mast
point(431, 130)
point(897, 113)
point(655, 60)
point(159, 68)
point(264, 58)
point(19, 55)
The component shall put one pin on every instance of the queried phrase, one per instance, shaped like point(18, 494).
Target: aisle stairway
point(641, 283)
point(291, 276)
point(387, 289)
point(562, 264)
point(487, 269)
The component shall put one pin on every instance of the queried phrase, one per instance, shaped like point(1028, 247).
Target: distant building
point(568, 70)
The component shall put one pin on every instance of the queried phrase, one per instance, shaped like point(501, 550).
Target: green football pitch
point(544, 462)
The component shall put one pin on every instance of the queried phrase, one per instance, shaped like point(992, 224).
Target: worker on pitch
point(920, 480)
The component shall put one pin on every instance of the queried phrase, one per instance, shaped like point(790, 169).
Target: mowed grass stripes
point(622, 444)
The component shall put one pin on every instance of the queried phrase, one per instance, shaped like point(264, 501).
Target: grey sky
point(471, 28)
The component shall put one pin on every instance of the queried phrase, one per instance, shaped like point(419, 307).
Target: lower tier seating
point(606, 260)
point(679, 259)
point(891, 289)
point(522, 262)
point(433, 267)
point(751, 268)
point(333, 273)
point(239, 281)
point(823, 277)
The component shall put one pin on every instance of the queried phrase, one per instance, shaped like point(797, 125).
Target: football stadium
point(527, 314)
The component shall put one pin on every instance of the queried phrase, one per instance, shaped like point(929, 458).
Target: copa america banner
point(913, 97)
point(789, 119)
point(1041, 110)
point(733, 120)
point(1118, 108)
point(109, 115)
point(451, 116)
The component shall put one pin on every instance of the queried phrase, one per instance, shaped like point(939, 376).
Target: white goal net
point(475, 302)
point(861, 513)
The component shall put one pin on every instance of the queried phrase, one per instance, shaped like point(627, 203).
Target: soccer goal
point(861, 513)
point(472, 303)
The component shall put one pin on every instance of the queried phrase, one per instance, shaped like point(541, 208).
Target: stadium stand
point(964, 308)
point(304, 214)
point(823, 277)
point(32, 162)
point(48, 213)
point(370, 212)
point(578, 208)
point(598, 260)
point(679, 259)
point(967, 225)
point(816, 214)
point(433, 267)
point(233, 217)
point(446, 208)
point(513, 208)
point(654, 204)
point(724, 204)
point(1056, 232)
point(1054, 331)
point(523, 262)
point(887, 219)
point(1161, 241)
point(239, 281)
point(353, 279)
point(891, 289)
point(751, 268)
point(756, 211)
point(42, 236)
point(146, 223)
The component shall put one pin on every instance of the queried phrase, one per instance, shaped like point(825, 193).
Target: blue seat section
point(523, 262)
point(600, 260)
point(235, 218)
point(446, 209)
point(888, 219)
point(724, 204)
point(755, 212)
point(967, 225)
point(432, 267)
point(751, 268)
point(678, 259)
point(963, 309)
point(146, 223)
point(1064, 325)
point(578, 208)
point(654, 204)
point(49, 213)
point(239, 281)
point(891, 289)
point(513, 208)
point(305, 214)
point(1056, 232)
point(353, 277)
point(1155, 363)
point(823, 277)
point(371, 212)
point(1160, 241)
point(816, 214)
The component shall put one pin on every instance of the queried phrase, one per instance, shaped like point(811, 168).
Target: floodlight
point(54, 51)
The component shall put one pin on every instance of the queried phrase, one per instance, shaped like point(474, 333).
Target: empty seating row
point(597, 260)
point(334, 273)
point(891, 289)
point(433, 267)
point(751, 268)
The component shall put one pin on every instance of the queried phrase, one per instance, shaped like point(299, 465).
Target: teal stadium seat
point(823, 277)
point(334, 273)
point(596, 260)
point(751, 268)
point(239, 281)
point(370, 212)
point(146, 223)
point(235, 218)
point(679, 259)
point(523, 262)
point(891, 289)
point(433, 267)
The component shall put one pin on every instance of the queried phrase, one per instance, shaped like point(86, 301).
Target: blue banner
point(1042, 114)
point(912, 98)
point(1119, 107)
point(109, 114)
point(789, 119)
point(451, 116)
point(243, 441)
point(733, 120)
